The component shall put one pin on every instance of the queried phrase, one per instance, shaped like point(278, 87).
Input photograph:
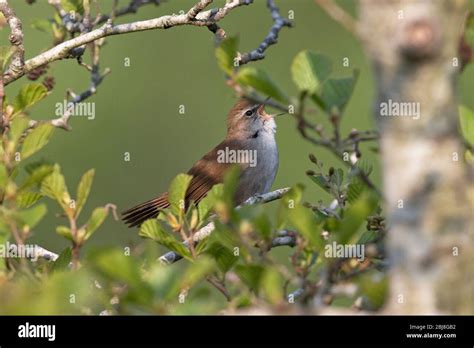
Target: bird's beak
point(261, 110)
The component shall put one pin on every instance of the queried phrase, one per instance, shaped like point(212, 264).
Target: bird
point(249, 143)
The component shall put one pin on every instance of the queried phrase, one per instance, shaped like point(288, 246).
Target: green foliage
point(310, 71)
point(177, 192)
point(153, 230)
point(29, 95)
point(226, 54)
point(83, 190)
point(35, 141)
point(261, 81)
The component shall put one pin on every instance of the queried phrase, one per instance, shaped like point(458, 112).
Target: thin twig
point(272, 37)
point(203, 19)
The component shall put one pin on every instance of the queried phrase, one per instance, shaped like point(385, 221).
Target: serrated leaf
point(29, 95)
point(310, 70)
point(177, 193)
point(97, 218)
point(17, 127)
point(336, 93)
point(65, 232)
point(36, 140)
point(466, 120)
point(260, 81)
point(63, 261)
point(36, 176)
point(152, 229)
point(83, 190)
point(226, 54)
point(54, 185)
point(26, 199)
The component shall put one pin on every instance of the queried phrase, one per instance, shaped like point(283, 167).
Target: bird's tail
point(137, 215)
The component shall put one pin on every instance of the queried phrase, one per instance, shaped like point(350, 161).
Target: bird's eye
point(248, 113)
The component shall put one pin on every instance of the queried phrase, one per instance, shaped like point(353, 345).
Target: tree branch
point(171, 257)
point(63, 50)
point(16, 39)
point(272, 37)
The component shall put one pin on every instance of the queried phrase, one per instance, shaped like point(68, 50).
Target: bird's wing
point(206, 172)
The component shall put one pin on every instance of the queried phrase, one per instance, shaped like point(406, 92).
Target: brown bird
point(249, 143)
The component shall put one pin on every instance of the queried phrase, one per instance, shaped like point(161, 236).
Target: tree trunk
point(413, 46)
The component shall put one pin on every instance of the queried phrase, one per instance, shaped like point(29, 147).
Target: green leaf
point(223, 256)
point(97, 218)
point(63, 261)
point(17, 127)
point(466, 120)
point(31, 217)
point(37, 175)
point(259, 79)
point(152, 229)
point(29, 95)
point(337, 92)
point(251, 275)
point(72, 6)
point(83, 190)
point(226, 53)
point(26, 199)
point(44, 25)
point(310, 70)
point(177, 193)
point(54, 186)
point(355, 215)
point(65, 232)
point(35, 141)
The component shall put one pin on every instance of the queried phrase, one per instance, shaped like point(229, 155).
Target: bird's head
point(248, 118)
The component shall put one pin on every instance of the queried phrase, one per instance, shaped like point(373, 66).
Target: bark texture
point(429, 189)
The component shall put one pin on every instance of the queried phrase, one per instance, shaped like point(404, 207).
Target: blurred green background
point(137, 106)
